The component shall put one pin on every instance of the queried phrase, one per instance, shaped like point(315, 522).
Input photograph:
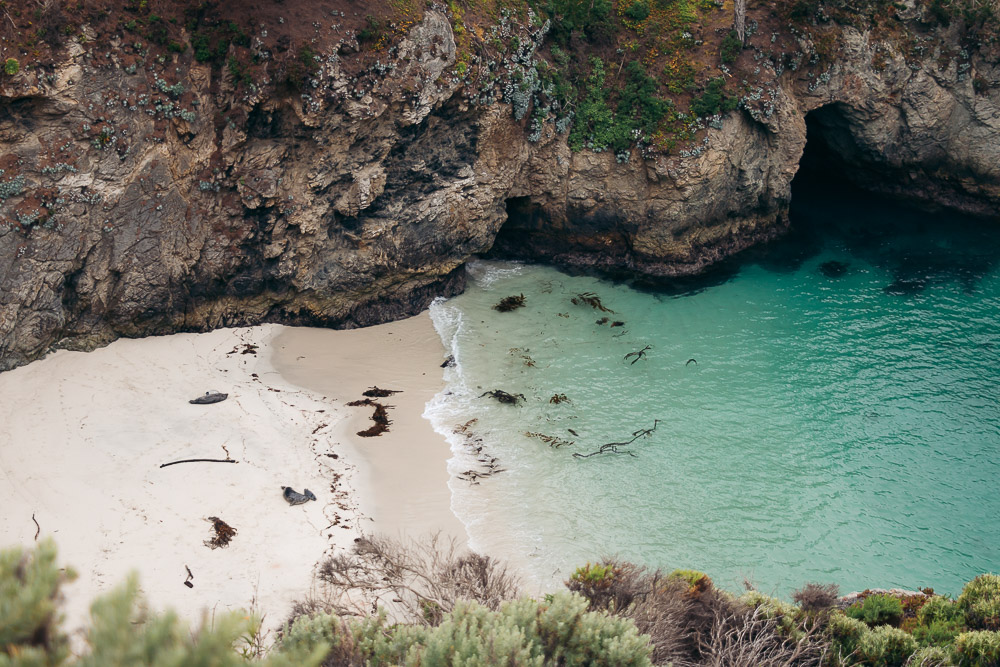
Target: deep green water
point(834, 428)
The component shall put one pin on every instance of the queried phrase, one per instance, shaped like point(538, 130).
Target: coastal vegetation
point(388, 603)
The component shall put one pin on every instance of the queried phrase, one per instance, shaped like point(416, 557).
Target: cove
point(840, 423)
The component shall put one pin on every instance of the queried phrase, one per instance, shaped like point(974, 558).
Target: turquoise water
point(834, 428)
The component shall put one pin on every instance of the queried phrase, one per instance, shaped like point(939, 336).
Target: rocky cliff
point(150, 191)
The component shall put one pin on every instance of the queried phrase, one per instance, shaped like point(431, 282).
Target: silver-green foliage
point(931, 656)
point(559, 630)
point(979, 648)
point(980, 600)
point(885, 646)
point(29, 593)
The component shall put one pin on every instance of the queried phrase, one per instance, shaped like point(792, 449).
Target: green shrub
point(29, 592)
point(692, 577)
point(877, 610)
point(120, 633)
point(11, 66)
point(885, 647)
point(938, 632)
point(979, 648)
point(713, 100)
point(523, 632)
point(731, 47)
point(939, 608)
point(772, 608)
point(590, 19)
point(980, 600)
point(638, 10)
point(931, 656)
point(845, 634)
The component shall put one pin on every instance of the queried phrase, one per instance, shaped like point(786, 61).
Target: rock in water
point(833, 269)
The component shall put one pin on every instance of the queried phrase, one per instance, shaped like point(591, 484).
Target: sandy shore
point(83, 436)
point(404, 470)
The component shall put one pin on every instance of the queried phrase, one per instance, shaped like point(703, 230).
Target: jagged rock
point(358, 207)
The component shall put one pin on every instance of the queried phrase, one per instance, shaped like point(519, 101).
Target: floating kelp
point(376, 392)
point(639, 354)
point(489, 465)
point(550, 440)
point(448, 362)
point(523, 353)
point(617, 447)
point(603, 320)
point(617, 323)
point(509, 303)
point(590, 299)
point(224, 533)
point(504, 397)
point(558, 398)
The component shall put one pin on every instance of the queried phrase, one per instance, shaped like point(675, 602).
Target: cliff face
point(133, 205)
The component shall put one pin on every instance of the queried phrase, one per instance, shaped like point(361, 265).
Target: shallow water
point(840, 422)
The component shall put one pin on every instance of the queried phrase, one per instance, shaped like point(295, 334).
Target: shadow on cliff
point(836, 225)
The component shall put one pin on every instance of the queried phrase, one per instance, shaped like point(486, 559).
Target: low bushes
point(877, 610)
point(447, 607)
point(980, 601)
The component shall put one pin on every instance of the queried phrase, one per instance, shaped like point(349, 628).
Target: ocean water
point(840, 423)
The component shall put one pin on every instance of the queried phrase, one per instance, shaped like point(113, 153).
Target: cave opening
point(523, 234)
point(846, 200)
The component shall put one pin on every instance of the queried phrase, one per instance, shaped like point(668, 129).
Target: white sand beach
point(83, 436)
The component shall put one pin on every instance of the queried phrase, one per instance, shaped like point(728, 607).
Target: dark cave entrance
point(831, 155)
point(523, 231)
point(855, 207)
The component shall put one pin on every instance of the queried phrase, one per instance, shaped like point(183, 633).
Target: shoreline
point(404, 471)
point(83, 436)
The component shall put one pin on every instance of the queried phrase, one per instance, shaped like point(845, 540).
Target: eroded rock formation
point(121, 216)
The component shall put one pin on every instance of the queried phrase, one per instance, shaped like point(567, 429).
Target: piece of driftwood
point(448, 362)
point(187, 582)
point(173, 463)
point(640, 354)
point(38, 529)
point(617, 447)
point(376, 392)
point(224, 533)
point(504, 397)
point(509, 303)
point(590, 299)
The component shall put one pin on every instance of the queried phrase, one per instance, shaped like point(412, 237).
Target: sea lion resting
point(294, 497)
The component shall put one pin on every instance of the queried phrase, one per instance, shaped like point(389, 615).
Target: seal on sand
point(294, 497)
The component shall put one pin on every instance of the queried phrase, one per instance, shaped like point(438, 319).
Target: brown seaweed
point(590, 299)
point(376, 392)
point(224, 533)
point(618, 447)
point(550, 440)
point(504, 397)
point(509, 303)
